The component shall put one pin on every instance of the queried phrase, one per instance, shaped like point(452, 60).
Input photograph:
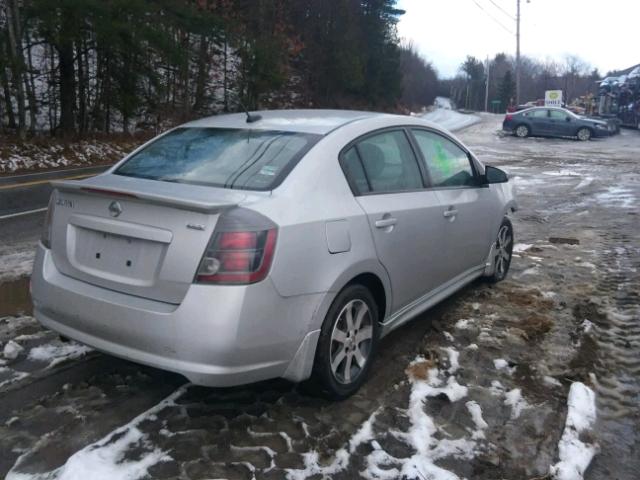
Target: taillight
point(238, 257)
point(46, 230)
point(508, 116)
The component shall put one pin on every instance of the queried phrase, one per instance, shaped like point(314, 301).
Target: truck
point(619, 97)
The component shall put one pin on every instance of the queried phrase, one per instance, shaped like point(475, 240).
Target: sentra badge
point(63, 202)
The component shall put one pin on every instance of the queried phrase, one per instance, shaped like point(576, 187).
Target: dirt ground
point(475, 388)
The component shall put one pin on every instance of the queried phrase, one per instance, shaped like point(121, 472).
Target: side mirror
point(495, 175)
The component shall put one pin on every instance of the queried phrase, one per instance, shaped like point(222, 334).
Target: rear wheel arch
point(373, 283)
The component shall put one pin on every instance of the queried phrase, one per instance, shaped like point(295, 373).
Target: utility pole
point(518, 53)
point(486, 88)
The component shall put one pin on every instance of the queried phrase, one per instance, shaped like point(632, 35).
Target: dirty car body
point(217, 249)
point(555, 122)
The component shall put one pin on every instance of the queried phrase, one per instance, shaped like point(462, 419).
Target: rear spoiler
point(190, 197)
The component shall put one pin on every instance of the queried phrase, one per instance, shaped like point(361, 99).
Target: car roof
point(545, 108)
point(319, 122)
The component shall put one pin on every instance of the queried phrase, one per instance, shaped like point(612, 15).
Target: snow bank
point(575, 453)
point(450, 119)
point(32, 156)
point(443, 102)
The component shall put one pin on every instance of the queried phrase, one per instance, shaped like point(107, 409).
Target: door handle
point(452, 212)
point(386, 222)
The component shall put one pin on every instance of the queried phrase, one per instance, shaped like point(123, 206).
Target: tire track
point(617, 367)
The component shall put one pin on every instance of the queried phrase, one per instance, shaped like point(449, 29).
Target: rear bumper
point(217, 336)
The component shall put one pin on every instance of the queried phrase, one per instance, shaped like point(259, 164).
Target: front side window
point(229, 158)
point(389, 163)
point(448, 165)
point(542, 113)
point(558, 115)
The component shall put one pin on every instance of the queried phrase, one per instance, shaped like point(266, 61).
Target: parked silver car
point(239, 248)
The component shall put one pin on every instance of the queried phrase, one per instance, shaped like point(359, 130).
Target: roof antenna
point(250, 117)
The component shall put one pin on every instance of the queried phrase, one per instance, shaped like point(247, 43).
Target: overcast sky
point(605, 33)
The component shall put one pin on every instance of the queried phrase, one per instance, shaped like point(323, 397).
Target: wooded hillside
point(76, 67)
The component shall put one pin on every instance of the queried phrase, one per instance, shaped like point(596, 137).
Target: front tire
point(522, 131)
point(584, 134)
point(503, 252)
point(347, 344)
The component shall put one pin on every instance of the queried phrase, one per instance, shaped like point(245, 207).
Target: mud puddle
point(15, 298)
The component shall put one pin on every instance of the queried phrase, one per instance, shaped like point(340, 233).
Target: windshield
point(229, 158)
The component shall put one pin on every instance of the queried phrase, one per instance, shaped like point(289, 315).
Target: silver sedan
point(240, 248)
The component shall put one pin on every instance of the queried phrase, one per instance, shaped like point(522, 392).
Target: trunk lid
point(136, 236)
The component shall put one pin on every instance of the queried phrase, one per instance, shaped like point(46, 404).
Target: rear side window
point(448, 165)
point(354, 171)
point(229, 158)
point(389, 163)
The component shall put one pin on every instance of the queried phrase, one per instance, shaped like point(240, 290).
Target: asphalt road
point(29, 193)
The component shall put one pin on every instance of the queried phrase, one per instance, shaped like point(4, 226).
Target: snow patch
point(55, 353)
point(11, 350)
point(421, 434)
point(16, 260)
point(454, 357)
point(617, 197)
point(574, 453)
point(465, 323)
point(554, 382)
point(105, 459)
point(476, 416)
point(502, 364)
point(522, 247)
point(514, 399)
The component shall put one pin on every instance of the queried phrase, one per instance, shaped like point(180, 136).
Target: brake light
point(238, 240)
point(508, 116)
point(238, 257)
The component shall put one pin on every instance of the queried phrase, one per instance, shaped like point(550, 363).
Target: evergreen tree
point(506, 90)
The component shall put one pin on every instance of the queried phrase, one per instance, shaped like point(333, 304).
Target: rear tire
point(522, 131)
point(347, 344)
point(584, 134)
point(503, 252)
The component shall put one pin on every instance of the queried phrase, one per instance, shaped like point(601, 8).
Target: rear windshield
point(229, 158)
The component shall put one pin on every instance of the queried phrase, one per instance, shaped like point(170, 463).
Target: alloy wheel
point(503, 251)
point(522, 131)
point(584, 134)
point(351, 341)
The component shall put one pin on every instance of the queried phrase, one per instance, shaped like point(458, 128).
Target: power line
point(492, 17)
point(503, 10)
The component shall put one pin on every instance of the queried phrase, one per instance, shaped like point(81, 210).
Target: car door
point(560, 124)
point(405, 218)
point(467, 206)
point(539, 119)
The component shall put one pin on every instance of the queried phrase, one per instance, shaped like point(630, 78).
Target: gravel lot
point(475, 388)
